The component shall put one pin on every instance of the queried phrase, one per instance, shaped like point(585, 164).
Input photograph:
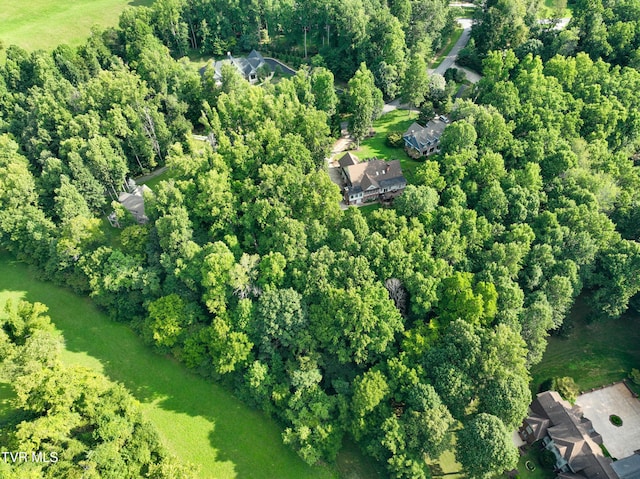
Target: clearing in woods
point(45, 24)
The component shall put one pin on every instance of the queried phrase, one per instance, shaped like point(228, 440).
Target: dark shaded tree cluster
point(608, 30)
point(340, 34)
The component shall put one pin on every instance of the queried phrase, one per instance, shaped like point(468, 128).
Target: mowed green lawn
point(198, 421)
point(396, 120)
point(595, 353)
point(44, 24)
point(552, 7)
point(539, 472)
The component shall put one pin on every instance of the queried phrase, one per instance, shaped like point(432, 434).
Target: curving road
point(450, 60)
point(466, 23)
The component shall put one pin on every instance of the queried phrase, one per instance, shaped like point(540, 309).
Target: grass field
point(351, 466)
point(44, 24)
point(368, 209)
point(396, 120)
point(446, 467)
point(198, 421)
point(539, 472)
point(595, 354)
point(551, 7)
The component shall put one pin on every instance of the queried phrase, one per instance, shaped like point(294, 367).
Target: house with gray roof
point(133, 202)
point(369, 181)
point(563, 430)
point(247, 67)
point(629, 467)
point(425, 140)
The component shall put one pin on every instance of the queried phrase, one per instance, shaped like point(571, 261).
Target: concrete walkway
point(472, 76)
point(463, 4)
point(466, 24)
point(560, 23)
point(342, 144)
point(517, 440)
point(148, 176)
point(396, 105)
point(450, 60)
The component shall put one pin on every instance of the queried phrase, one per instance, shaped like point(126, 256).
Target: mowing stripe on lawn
point(198, 421)
point(595, 353)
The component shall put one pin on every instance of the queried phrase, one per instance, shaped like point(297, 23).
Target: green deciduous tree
point(617, 277)
point(417, 200)
point(166, 320)
point(459, 299)
point(415, 84)
point(364, 102)
point(216, 268)
point(507, 398)
point(324, 94)
point(484, 447)
point(355, 325)
point(501, 24)
point(281, 324)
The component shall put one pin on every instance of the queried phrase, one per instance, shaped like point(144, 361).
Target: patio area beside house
point(598, 405)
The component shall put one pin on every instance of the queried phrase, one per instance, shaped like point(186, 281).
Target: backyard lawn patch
point(550, 8)
point(376, 147)
point(595, 353)
point(350, 465)
point(531, 467)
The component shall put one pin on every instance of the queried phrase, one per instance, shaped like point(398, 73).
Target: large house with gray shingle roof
point(247, 67)
point(570, 436)
point(425, 140)
point(372, 180)
point(133, 202)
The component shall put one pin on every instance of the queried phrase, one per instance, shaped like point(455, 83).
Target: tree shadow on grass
point(201, 422)
point(140, 3)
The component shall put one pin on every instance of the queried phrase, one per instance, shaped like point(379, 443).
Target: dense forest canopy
point(394, 327)
point(343, 33)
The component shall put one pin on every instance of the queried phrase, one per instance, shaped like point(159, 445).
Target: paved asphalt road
point(465, 23)
point(450, 59)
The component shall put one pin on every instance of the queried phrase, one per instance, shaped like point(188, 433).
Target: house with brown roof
point(368, 181)
point(570, 436)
